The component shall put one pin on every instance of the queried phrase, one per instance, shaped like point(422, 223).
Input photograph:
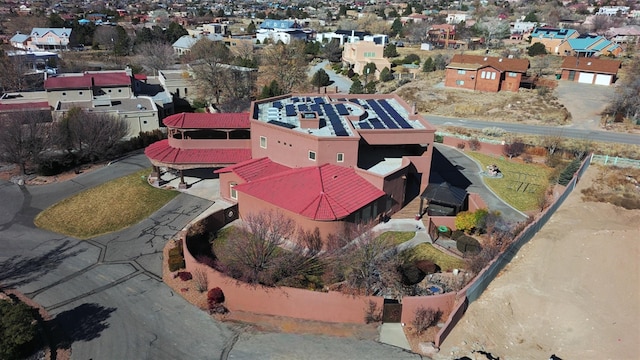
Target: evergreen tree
point(396, 27)
point(386, 75)
point(356, 87)
point(174, 32)
point(428, 65)
point(390, 51)
point(320, 78)
point(251, 29)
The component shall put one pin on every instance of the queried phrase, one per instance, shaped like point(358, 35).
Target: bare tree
point(207, 59)
point(13, 74)
point(541, 63)
point(105, 36)
point(492, 29)
point(24, 137)
point(253, 255)
point(89, 134)
point(286, 64)
point(155, 55)
point(552, 142)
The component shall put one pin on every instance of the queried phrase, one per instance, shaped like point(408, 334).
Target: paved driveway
point(343, 83)
point(107, 295)
point(585, 102)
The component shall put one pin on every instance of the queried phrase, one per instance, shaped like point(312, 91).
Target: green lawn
point(426, 251)
point(106, 208)
point(521, 186)
point(397, 237)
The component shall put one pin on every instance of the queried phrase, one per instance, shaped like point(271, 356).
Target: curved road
point(343, 83)
point(570, 132)
point(107, 295)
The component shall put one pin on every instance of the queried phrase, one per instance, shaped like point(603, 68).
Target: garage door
point(603, 79)
point(585, 78)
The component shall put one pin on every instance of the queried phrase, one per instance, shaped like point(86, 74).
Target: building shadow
point(19, 270)
point(442, 170)
point(82, 323)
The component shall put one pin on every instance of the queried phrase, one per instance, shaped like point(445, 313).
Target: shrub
point(175, 251)
point(439, 138)
point(215, 297)
point(372, 313)
point(411, 59)
point(427, 266)
point(425, 318)
point(493, 131)
point(200, 280)
point(184, 275)
point(176, 263)
point(465, 221)
point(467, 244)
point(461, 145)
point(515, 149)
point(18, 329)
point(456, 234)
point(206, 260)
point(567, 174)
point(536, 49)
point(411, 274)
point(474, 144)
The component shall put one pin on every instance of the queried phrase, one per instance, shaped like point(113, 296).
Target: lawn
point(426, 251)
point(397, 237)
point(521, 186)
point(106, 208)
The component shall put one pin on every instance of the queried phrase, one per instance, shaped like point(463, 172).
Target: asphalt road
point(570, 132)
point(107, 295)
point(341, 82)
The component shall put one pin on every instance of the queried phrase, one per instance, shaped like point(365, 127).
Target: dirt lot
point(573, 291)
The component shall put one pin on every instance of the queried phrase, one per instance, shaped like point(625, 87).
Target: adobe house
point(589, 46)
point(552, 38)
point(332, 159)
point(590, 70)
point(485, 73)
point(356, 55)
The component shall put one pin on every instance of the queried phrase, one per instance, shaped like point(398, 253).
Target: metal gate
point(391, 311)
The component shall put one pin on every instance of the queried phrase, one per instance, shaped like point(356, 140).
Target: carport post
point(182, 184)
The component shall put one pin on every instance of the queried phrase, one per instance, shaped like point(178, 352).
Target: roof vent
point(500, 60)
point(485, 59)
point(589, 63)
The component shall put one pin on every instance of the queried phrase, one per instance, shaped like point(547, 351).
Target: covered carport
point(443, 199)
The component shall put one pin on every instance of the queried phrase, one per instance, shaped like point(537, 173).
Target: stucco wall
point(225, 184)
point(442, 302)
point(209, 143)
point(485, 148)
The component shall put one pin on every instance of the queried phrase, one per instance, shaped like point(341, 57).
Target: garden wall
point(442, 302)
point(474, 289)
point(485, 148)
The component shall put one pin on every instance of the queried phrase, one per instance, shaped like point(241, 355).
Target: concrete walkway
point(393, 334)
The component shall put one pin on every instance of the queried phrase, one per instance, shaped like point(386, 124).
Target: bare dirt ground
point(573, 290)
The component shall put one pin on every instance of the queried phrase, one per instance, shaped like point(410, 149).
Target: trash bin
point(558, 76)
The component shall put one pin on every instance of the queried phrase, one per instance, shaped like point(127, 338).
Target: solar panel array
point(334, 119)
point(394, 121)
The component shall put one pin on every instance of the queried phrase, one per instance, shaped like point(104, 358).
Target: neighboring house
point(49, 39)
point(106, 92)
point(456, 17)
point(613, 10)
point(357, 55)
point(485, 73)
point(280, 30)
point(552, 38)
point(346, 36)
point(627, 35)
point(443, 35)
point(200, 140)
point(590, 70)
point(589, 46)
point(20, 41)
point(523, 27)
point(184, 43)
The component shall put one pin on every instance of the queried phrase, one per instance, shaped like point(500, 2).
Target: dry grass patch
point(617, 186)
point(397, 237)
point(106, 208)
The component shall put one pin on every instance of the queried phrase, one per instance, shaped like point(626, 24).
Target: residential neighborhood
point(347, 179)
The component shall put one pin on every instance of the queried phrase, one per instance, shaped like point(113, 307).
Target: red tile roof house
point(485, 73)
point(590, 70)
point(326, 160)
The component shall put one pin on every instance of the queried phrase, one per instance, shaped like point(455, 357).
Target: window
point(340, 157)
point(232, 191)
point(512, 74)
point(462, 72)
point(312, 155)
point(369, 54)
point(483, 75)
point(459, 82)
point(493, 76)
point(263, 142)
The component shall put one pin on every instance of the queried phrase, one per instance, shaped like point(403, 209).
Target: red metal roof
point(162, 152)
point(595, 65)
point(84, 81)
point(208, 121)
point(254, 169)
point(40, 105)
point(325, 193)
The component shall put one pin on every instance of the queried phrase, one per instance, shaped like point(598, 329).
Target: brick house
point(485, 73)
point(590, 70)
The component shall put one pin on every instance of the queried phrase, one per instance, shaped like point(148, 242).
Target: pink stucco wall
point(485, 148)
point(225, 181)
point(292, 148)
point(209, 144)
point(442, 302)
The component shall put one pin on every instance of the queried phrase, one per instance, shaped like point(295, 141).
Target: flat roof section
point(338, 116)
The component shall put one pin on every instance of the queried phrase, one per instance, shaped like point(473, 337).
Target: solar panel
point(386, 119)
point(319, 100)
point(376, 123)
point(364, 125)
point(342, 110)
point(316, 108)
point(290, 110)
point(395, 115)
point(280, 123)
point(277, 104)
point(303, 107)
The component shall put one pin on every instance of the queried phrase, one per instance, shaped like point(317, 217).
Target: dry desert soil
point(572, 291)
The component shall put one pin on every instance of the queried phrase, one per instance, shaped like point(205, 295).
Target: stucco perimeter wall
point(485, 148)
point(476, 202)
point(332, 307)
point(410, 304)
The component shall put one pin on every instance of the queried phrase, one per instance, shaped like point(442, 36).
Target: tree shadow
point(19, 270)
point(82, 323)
